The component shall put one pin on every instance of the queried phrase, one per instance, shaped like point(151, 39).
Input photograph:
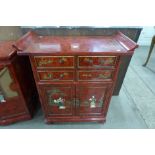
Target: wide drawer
point(56, 75)
point(96, 61)
point(54, 61)
point(95, 75)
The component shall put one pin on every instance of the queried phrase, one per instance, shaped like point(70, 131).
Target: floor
point(133, 108)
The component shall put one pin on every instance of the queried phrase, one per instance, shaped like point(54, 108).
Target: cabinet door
point(92, 99)
point(58, 99)
point(11, 103)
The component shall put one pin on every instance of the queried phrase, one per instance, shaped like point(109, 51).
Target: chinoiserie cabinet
point(75, 76)
point(17, 89)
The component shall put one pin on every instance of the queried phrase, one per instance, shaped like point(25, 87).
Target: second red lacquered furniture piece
point(18, 96)
point(75, 76)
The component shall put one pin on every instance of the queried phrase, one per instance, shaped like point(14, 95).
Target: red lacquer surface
point(75, 76)
point(19, 80)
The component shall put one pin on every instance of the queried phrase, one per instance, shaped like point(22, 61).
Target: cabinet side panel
point(23, 71)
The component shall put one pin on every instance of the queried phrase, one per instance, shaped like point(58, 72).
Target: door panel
point(58, 99)
point(11, 102)
point(91, 98)
point(6, 82)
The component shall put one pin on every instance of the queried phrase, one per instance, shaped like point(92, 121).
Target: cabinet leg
point(150, 51)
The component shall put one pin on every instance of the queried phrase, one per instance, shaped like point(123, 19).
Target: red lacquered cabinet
point(75, 76)
point(17, 87)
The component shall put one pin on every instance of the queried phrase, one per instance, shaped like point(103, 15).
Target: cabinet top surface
point(6, 50)
point(32, 44)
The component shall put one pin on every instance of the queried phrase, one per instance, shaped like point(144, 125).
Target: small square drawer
point(96, 61)
point(95, 75)
point(56, 75)
point(54, 61)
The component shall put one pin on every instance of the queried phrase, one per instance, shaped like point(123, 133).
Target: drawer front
point(96, 61)
point(95, 75)
point(56, 75)
point(54, 61)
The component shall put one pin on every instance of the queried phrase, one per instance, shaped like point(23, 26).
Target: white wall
point(146, 36)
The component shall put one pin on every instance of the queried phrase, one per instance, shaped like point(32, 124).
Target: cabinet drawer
point(96, 61)
point(95, 75)
point(54, 61)
point(56, 75)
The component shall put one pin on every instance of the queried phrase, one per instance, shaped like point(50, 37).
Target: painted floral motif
point(96, 61)
point(105, 75)
point(47, 76)
point(106, 61)
point(56, 97)
point(60, 102)
point(92, 102)
point(109, 61)
point(62, 60)
point(44, 62)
